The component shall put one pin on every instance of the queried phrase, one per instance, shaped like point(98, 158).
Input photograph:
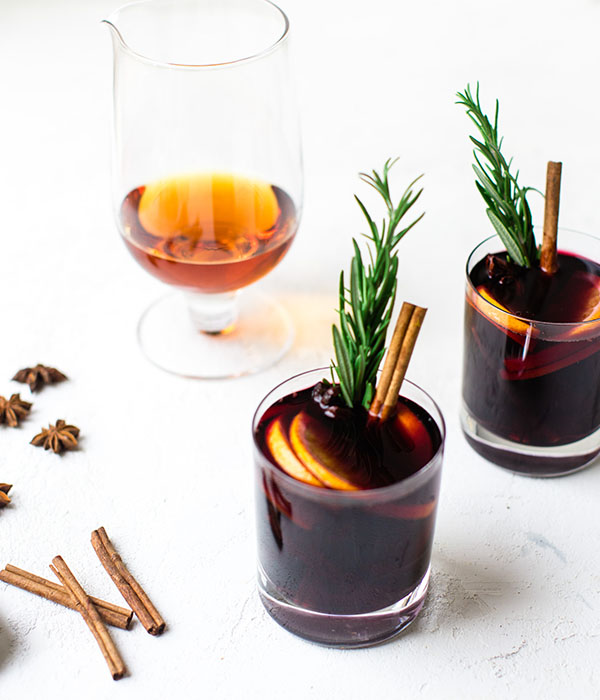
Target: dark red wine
point(532, 383)
point(361, 554)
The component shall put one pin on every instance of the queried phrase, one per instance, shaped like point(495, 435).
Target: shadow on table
point(461, 590)
point(7, 642)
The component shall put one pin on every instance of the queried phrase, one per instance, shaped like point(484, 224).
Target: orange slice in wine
point(210, 206)
point(414, 431)
point(313, 454)
point(416, 511)
point(498, 314)
point(285, 457)
point(411, 426)
point(592, 308)
point(407, 511)
point(590, 312)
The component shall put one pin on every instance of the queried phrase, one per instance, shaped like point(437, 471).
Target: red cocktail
point(345, 510)
point(531, 377)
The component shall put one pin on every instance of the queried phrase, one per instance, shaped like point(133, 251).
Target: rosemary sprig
point(365, 308)
point(507, 206)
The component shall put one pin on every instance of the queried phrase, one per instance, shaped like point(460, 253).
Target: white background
point(165, 464)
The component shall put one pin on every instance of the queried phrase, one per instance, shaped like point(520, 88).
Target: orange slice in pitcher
point(285, 457)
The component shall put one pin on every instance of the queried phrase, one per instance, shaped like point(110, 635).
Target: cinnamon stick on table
point(90, 614)
point(548, 254)
point(130, 589)
point(111, 614)
point(403, 343)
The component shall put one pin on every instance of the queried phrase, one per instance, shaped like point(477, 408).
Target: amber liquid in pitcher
point(209, 232)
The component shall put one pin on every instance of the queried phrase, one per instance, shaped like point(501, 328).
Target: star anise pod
point(39, 376)
point(13, 410)
point(57, 437)
point(4, 499)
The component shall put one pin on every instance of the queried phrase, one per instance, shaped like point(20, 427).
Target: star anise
point(13, 410)
point(39, 376)
point(4, 499)
point(57, 437)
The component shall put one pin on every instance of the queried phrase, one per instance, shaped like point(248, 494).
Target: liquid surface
point(331, 440)
point(570, 295)
point(211, 232)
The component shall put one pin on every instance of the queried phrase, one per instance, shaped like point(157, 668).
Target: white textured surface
point(165, 465)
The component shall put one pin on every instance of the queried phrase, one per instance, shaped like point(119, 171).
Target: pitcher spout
point(114, 32)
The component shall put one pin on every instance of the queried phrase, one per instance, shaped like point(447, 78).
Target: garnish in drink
point(366, 307)
point(343, 439)
point(330, 440)
point(506, 201)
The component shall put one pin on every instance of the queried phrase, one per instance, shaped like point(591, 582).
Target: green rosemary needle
point(507, 206)
point(365, 307)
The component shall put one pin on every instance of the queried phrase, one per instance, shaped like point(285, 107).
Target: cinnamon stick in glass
point(548, 254)
point(391, 358)
point(113, 615)
point(130, 589)
point(405, 337)
point(91, 616)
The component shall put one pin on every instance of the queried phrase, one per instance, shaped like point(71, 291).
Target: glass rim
point(111, 20)
point(529, 321)
point(403, 487)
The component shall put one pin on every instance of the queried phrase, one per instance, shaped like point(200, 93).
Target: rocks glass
point(344, 568)
point(531, 389)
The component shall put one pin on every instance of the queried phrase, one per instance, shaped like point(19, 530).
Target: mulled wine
point(211, 233)
point(346, 509)
point(532, 362)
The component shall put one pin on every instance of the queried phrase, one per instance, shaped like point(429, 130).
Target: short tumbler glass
point(344, 568)
point(531, 389)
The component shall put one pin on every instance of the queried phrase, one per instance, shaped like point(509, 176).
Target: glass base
point(260, 335)
point(343, 631)
point(529, 460)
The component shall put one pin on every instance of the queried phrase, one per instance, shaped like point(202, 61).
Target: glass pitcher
point(207, 175)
